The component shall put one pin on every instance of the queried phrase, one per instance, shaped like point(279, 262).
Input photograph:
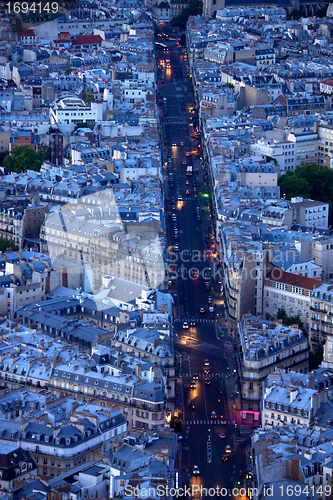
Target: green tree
point(6, 244)
point(291, 185)
point(229, 85)
point(53, 130)
point(81, 125)
point(289, 320)
point(89, 98)
point(3, 155)
point(295, 14)
point(23, 158)
point(310, 181)
point(316, 357)
point(46, 150)
point(176, 424)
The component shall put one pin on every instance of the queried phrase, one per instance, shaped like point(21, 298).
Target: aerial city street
point(166, 265)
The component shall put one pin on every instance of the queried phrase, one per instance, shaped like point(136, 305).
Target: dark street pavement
point(217, 390)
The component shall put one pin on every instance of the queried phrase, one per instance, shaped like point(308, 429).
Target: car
point(202, 310)
point(187, 192)
point(185, 325)
point(209, 300)
point(193, 384)
point(195, 196)
point(192, 322)
point(225, 458)
point(213, 414)
point(206, 371)
point(174, 217)
point(173, 206)
point(187, 182)
point(219, 400)
point(180, 198)
point(195, 274)
point(211, 315)
point(175, 236)
point(171, 186)
point(222, 435)
point(177, 247)
point(181, 144)
point(174, 144)
point(184, 162)
point(195, 376)
point(206, 362)
point(207, 381)
point(175, 231)
point(228, 449)
point(196, 470)
point(199, 219)
point(187, 154)
point(207, 284)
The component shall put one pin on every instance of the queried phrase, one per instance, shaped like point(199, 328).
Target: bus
point(161, 46)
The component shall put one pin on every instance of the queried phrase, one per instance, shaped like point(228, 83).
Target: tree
point(46, 150)
point(5, 244)
point(53, 130)
point(183, 39)
point(81, 125)
point(89, 98)
point(229, 85)
point(291, 185)
point(176, 425)
point(23, 158)
point(289, 320)
point(310, 181)
point(3, 155)
point(316, 357)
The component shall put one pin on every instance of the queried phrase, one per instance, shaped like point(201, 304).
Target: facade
point(265, 346)
point(321, 312)
point(291, 292)
point(15, 464)
point(21, 220)
point(310, 213)
point(290, 405)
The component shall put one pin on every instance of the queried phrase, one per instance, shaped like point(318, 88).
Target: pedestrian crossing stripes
point(202, 375)
point(200, 320)
point(206, 422)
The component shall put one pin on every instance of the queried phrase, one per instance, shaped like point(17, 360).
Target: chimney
point(138, 370)
point(293, 395)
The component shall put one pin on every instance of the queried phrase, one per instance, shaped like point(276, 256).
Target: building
point(321, 309)
point(15, 464)
point(291, 292)
point(56, 148)
point(21, 220)
point(310, 213)
point(290, 404)
point(264, 346)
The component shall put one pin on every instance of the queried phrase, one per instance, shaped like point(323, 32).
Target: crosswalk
point(200, 320)
point(206, 422)
point(203, 375)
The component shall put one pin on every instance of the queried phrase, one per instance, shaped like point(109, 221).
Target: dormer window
point(68, 441)
point(57, 440)
point(46, 439)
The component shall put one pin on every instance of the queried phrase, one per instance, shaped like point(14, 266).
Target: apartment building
point(310, 213)
point(21, 220)
point(321, 313)
point(265, 346)
point(321, 250)
point(292, 404)
point(65, 435)
point(291, 292)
